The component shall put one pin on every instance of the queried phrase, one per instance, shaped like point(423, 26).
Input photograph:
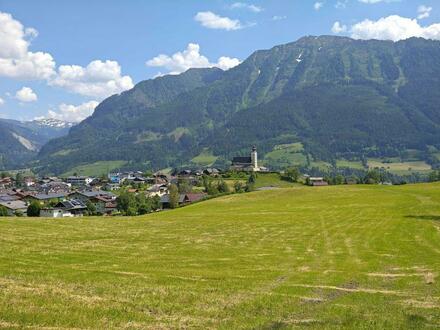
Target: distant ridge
point(339, 97)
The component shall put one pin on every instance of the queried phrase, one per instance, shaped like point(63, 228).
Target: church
point(248, 164)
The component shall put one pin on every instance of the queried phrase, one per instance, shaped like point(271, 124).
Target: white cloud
point(394, 28)
point(16, 61)
point(72, 113)
point(424, 11)
point(339, 28)
point(213, 21)
point(26, 94)
point(190, 58)
point(2, 101)
point(318, 5)
point(242, 5)
point(226, 63)
point(278, 18)
point(98, 79)
point(341, 4)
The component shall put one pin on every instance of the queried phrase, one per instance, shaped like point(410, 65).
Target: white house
point(79, 180)
point(55, 213)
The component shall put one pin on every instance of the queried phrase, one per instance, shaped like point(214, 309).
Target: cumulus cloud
point(339, 28)
point(190, 58)
point(98, 79)
point(73, 113)
point(16, 61)
point(394, 28)
point(213, 21)
point(26, 94)
point(424, 11)
point(1, 101)
point(318, 5)
point(242, 5)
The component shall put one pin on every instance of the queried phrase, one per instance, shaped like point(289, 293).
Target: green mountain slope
point(339, 97)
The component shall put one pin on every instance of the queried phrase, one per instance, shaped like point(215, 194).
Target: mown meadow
point(355, 257)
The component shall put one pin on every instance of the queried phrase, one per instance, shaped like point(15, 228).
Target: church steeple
point(254, 158)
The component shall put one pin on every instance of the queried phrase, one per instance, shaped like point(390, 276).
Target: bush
point(174, 196)
point(33, 209)
point(239, 187)
point(3, 211)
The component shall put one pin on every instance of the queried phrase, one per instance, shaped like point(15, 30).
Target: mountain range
point(339, 98)
point(20, 141)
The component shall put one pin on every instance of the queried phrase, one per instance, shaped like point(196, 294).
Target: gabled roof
point(14, 205)
point(8, 198)
point(49, 195)
point(166, 198)
point(94, 193)
point(71, 205)
point(194, 197)
point(242, 160)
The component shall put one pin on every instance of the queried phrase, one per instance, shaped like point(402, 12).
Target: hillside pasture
point(96, 169)
point(337, 257)
point(397, 167)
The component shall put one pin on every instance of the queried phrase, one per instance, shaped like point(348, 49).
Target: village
point(130, 192)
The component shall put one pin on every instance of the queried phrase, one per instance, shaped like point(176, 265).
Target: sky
point(60, 58)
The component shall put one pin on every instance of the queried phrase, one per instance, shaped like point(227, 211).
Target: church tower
point(254, 158)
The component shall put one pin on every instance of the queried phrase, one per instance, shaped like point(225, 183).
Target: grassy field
point(401, 167)
point(340, 163)
point(96, 169)
point(206, 158)
point(285, 155)
point(354, 257)
point(272, 180)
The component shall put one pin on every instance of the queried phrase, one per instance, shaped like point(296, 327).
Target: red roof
point(194, 197)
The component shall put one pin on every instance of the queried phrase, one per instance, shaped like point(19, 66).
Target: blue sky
point(61, 58)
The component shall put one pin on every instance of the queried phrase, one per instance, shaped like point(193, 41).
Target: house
point(212, 171)
point(161, 178)
point(112, 186)
point(64, 209)
point(157, 190)
point(104, 204)
point(29, 181)
point(8, 197)
point(183, 199)
point(79, 180)
point(45, 197)
point(194, 197)
point(114, 178)
point(75, 207)
point(5, 182)
point(165, 200)
point(104, 201)
point(55, 213)
point(87, 195)
point(248, 164)
point(15, 207)
point(140, 179)
point(55, 187)
point(317, 182)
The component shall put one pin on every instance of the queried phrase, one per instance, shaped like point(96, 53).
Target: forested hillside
point(339, 97)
